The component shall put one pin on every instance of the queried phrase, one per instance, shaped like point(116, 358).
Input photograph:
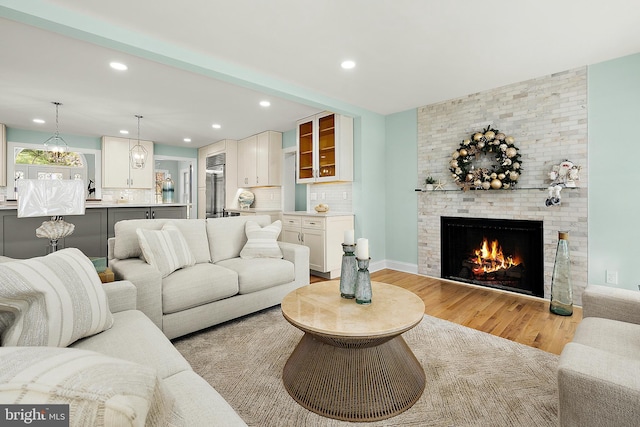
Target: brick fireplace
point(548, 118)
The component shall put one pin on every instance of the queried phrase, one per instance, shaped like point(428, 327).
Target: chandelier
point(138, 154)
point(56, 144)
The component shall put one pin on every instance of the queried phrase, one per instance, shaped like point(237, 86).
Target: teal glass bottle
point(561, 290)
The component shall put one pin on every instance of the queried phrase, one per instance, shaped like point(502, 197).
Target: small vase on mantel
point(561, 290)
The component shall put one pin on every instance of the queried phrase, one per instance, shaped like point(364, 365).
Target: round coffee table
point(352, 364)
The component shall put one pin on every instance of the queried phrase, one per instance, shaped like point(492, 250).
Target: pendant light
point(56, 143)
point(138, 154)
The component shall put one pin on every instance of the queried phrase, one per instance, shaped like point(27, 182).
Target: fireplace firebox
point(498, 253)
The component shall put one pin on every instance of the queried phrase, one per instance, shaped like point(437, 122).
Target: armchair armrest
point(597, 388)
point(121, 295)
point(611, 303)
point(148, 282)
point(299, 256)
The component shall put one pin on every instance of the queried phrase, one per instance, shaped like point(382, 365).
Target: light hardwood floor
point(522, 319)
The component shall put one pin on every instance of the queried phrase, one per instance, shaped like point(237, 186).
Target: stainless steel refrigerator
point(215, 194)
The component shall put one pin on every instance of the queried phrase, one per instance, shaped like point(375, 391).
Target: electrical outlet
point(612, 277)
point(344, 195)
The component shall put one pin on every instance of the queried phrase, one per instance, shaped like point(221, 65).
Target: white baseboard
point(393, 265)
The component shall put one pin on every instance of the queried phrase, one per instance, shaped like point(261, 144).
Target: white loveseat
point(221, 285)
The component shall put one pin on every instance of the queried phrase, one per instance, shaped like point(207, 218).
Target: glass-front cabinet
point(325, 148)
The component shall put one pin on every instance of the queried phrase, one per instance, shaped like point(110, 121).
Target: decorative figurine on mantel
point(565, 174)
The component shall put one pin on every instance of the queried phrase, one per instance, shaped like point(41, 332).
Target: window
point(28, 156)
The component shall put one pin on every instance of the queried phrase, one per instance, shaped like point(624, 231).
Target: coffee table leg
point(354, 383)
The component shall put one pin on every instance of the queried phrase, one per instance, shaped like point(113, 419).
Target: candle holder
point(363, 282)
point(348, 272)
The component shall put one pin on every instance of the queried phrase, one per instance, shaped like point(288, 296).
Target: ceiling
point(203, 62)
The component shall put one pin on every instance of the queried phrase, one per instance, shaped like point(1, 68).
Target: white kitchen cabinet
point(324, 148)
point(116, 166)
point(260, 160)
point(323, 235)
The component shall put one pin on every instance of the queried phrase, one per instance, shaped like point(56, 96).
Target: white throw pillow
point(51, 301)
point(262, 242)
point(100, 390)
point(165, 249)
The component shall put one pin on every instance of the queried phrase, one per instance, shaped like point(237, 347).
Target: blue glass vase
point(561, 290)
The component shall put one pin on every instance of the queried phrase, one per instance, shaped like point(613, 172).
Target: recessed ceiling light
point(38, 121)
point(347, 65)
point(265, 103)
point(124, 132)
point(187, 140)
point(216, 126)
point(118, 66)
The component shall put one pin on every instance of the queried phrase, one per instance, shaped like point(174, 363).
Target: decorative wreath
point(503, 174)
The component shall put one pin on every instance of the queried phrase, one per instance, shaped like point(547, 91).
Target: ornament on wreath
point(503, 174)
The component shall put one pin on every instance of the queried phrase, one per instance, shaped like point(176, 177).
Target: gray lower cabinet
point(20, 241)
point(156, 212)
point(90, 233)
point(18, 235)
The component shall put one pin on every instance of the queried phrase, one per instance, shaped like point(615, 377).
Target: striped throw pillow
point(262, 242)
point(51, 301)
point(100, 390)
point(165, 249)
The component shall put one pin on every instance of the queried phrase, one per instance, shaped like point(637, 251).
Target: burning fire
point(489, 258)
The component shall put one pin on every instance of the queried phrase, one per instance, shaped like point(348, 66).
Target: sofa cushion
point(126, 244)
point(52, 300)
point(134, 337)
point(165, 249)
point(199, 404)
point(262, 242)
point(100, 390)
point(197, 285)
point(260, 273)
point(227, 236)
point(607, 334)
point(194, 231)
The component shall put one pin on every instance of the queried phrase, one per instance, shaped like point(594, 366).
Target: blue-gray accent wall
point(614, 198)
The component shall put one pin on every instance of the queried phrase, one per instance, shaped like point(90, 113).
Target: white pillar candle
point(348, 237)
point(362, 249)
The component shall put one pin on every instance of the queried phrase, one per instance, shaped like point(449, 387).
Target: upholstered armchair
point(599, 371)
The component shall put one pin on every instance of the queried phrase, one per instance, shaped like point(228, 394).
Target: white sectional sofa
point(69, 340)
point(220, 286)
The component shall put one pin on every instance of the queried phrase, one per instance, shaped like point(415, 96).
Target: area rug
point(473, 378)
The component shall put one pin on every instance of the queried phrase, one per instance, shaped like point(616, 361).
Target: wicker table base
point(354, 379)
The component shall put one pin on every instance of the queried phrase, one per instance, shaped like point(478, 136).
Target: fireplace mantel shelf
point(451, 190)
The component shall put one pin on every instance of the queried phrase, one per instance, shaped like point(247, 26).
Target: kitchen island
point(18, 235)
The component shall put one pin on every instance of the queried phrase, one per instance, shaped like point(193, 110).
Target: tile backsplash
point(337, 195)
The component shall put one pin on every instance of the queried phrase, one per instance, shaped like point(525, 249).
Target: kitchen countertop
point(254, 210)
point(9, 205)
point(316, 214)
